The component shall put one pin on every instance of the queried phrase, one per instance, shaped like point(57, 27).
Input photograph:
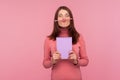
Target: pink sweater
point(65, 69)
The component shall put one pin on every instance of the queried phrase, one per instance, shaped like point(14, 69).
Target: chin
point(64, 27)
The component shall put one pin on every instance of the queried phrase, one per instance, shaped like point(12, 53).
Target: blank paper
point(64, 46)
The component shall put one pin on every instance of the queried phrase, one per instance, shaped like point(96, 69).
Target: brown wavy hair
point(71, 29)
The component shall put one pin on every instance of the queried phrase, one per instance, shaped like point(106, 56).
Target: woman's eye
point(60, 15)
point(67, 15)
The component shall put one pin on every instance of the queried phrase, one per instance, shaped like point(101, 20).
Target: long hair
point(71, 30)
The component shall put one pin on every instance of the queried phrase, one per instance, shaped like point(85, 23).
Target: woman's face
point(63, 18)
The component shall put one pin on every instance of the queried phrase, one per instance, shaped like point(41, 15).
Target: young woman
point(65, 69)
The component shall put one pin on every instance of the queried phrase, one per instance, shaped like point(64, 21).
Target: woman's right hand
point(56, 57)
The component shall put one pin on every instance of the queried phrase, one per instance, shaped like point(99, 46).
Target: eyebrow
point(65, 14)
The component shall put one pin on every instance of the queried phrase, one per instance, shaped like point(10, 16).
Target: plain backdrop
point(24, 24)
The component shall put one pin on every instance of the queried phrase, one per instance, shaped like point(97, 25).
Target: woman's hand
point(55, 57)
point(73, 57)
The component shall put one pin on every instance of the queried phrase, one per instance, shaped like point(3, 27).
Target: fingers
point(71, 52)
point(56, 52)
point(56, 55)
point(72, 55)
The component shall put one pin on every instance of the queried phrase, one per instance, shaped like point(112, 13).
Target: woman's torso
point(65, 69)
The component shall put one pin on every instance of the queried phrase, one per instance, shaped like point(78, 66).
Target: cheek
point(68, 22)
point(59, 18)
point(59, 22)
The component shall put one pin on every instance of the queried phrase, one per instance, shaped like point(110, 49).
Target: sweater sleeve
point(47, 57)
point(83, 60)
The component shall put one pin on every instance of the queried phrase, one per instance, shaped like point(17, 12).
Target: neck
point(63, 32)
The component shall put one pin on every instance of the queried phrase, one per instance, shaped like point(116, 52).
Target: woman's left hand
point(73, 57)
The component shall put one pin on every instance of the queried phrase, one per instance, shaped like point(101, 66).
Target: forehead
point(63, 11)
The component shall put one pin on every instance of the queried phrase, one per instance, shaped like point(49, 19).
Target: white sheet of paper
point(64, 46)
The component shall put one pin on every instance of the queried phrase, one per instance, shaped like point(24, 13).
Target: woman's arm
point(83, 60)
point(47, 63)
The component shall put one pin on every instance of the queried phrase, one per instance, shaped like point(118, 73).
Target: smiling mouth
point(64, 20)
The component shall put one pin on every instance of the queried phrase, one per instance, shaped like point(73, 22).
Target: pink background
point(24, 24)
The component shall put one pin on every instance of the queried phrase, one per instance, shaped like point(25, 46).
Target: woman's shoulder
point(81, 38)
point(47, 38)
point(80, 35)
